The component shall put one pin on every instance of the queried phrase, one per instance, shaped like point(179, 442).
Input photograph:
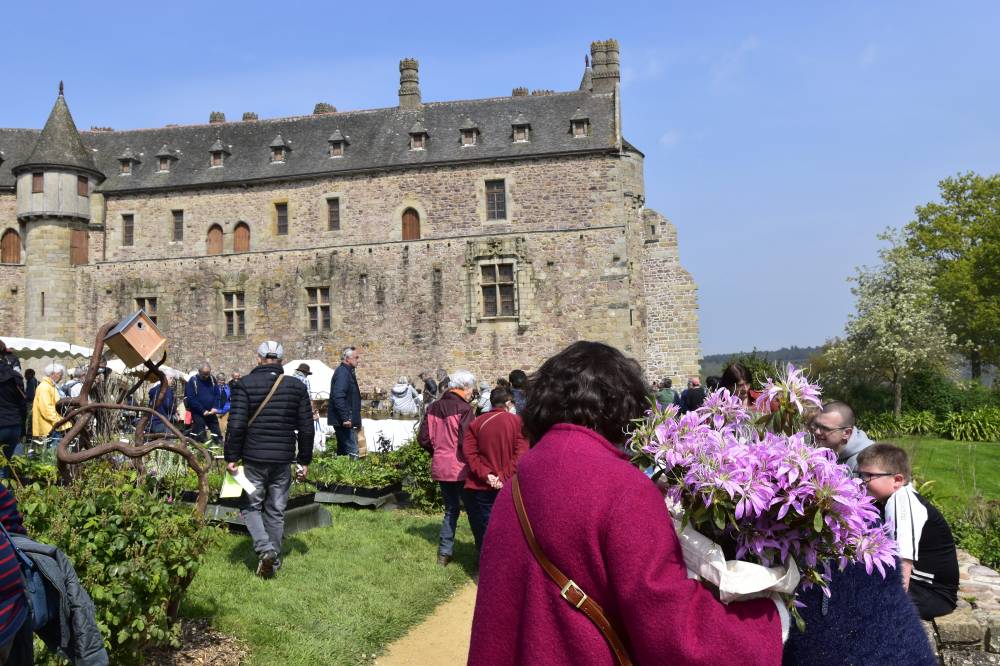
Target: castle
point(484, 234)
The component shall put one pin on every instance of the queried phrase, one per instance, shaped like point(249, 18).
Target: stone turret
point(54, 186)
point(409, 84)
point(605, 69)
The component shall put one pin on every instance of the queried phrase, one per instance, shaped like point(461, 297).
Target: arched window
point(215, 239)
point(411, 224)
point(10, 247)
point(241, 238)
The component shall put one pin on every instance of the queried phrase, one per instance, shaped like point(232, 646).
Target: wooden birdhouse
point(136, 340)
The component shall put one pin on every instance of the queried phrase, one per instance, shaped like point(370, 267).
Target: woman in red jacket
point(604, 524)
point(492, 446)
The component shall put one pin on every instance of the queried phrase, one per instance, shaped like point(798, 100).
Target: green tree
point(960, 235)
point(898, 327)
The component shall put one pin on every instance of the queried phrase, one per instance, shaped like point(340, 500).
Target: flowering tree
point(900, 321)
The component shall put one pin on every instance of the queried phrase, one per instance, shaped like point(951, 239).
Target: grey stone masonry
point(971, 634)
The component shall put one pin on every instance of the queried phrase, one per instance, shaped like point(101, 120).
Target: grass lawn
point(961, 470)
point(343, 592)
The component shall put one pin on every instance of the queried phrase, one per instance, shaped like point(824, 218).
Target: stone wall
point(567, 193)
point(404, 303)
point(970, 635)
point(12, 301)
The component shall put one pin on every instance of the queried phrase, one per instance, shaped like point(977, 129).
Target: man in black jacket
point(345, 403)
point(13, 408)
point(269, 415)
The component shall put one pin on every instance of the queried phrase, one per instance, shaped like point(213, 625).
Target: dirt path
point(440, 640)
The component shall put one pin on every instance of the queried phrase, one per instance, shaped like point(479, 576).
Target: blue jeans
point(455, 496)
point(347, 441)
point(483, 501)
point(264, 509)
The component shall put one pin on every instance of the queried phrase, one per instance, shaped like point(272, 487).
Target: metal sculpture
point(82, 412)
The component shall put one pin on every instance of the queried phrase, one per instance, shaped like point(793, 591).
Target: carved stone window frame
point(235, 283)
point(497, 250)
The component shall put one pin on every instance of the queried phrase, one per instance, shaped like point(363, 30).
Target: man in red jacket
point(441, 433)
point(492, 446)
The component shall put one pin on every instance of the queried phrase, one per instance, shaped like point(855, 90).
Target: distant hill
point(713, 364)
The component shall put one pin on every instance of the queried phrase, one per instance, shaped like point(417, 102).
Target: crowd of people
point(538, 465)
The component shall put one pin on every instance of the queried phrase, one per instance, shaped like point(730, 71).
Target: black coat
point(345, 398)
point(13, 406)
point(272, 436)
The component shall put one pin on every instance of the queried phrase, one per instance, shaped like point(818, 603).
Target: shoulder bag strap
point(570, 591)
point(267, 399)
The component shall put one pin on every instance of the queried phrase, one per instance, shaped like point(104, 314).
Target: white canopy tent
point(117, 365)
point(319, 380)
point(27, 348)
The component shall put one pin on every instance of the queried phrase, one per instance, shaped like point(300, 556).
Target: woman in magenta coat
point(604, 524)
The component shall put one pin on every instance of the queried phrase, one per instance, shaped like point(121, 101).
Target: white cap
point(271, 349)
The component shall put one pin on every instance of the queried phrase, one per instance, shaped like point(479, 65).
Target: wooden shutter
point(10, 247)
point(78, 252)
point(411, 225)
point(215, 239)
point(241, 238)
point(37, 183)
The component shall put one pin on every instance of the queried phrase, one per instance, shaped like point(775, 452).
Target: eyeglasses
point(866, 477)
point(825, 430)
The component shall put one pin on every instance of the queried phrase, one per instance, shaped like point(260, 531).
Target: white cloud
point(732, 63)
point(868, 56)
point(670, 138)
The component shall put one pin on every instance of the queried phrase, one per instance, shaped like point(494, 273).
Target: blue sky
point(780, 137)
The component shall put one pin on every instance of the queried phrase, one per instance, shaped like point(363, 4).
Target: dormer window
point(418, 137)
point(579, 125)
point(218, 154)
point(470, 133)
point(164, 158)
point(126, 161)
point(338, 142)
point(279, 150)
point(522, 129)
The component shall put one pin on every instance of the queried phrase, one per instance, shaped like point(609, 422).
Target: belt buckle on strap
point(583, 595)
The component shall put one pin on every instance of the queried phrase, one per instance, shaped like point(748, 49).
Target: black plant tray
point(234, 502)
point(360, 491)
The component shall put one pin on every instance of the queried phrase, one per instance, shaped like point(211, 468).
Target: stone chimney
point(604, 61)
point(409, 84)
point(249, 115)
point(216, 117)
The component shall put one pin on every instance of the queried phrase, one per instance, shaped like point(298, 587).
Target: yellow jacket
point(43, 409)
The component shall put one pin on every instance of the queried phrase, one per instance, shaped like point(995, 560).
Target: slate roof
point(59, 143)
point(377, 139)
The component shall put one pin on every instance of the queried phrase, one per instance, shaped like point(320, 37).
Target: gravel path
point(440, 640)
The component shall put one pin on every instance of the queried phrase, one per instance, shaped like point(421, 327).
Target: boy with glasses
point(926, 548)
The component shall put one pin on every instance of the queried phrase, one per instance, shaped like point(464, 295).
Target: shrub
point(918, 423)
point(376, 470)
point(415, 465)
point(880, 426)
point(977, 425)
point(134, 552)
point(977, 530)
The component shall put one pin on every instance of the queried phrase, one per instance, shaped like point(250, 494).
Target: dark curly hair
point(588, 384)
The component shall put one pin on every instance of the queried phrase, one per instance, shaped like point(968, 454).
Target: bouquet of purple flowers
point(767, 498)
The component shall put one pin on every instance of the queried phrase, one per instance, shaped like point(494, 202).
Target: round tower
point(54, 185)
